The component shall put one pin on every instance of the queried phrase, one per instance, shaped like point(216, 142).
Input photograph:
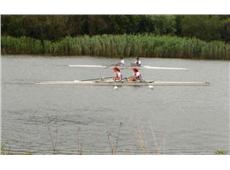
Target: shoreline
point(104, 57)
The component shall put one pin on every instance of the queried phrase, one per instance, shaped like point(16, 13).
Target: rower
point(136, 76)
point(121, 63)
point(137, 62)
point(118, 75)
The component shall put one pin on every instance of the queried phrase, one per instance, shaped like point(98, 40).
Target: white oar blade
point(87, 66)
point(164, 68)
point(115, 87)
point(146, 67)
point(150, 86)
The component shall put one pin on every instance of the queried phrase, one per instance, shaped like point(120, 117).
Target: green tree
point(12, 25)
point(201, 26)
point(225, 32)
point(158, 24)
point(56, 27)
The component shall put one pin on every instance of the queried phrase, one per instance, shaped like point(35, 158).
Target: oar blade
point(164, 68)
point(87, 66)
point(123, 67)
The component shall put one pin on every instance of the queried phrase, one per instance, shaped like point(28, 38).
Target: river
point(70, 119)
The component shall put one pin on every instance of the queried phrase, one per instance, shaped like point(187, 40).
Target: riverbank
point(119, 46)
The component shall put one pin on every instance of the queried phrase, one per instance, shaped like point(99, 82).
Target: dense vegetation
point(205, 27)
point(147, 45)
point(189, 36)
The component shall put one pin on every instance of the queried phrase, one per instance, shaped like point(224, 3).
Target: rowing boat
point(126, 83)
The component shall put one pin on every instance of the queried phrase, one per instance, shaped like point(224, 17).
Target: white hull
point(112, 83)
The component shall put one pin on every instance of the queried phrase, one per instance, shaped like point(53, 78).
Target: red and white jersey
point(137, 75)
point(118, 76)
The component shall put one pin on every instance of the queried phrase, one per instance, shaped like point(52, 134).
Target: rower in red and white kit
point(118, 75)
point(136, 75)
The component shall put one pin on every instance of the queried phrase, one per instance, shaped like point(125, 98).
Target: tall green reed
point(141, 45)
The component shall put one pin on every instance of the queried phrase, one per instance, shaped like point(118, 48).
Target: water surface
point(70, 119)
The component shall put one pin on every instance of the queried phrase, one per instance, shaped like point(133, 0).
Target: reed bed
point(146, 45)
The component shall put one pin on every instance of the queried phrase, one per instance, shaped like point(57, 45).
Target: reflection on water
point(68, 119)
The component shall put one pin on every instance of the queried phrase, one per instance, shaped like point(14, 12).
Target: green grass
point(146, 45)
point(220, 152)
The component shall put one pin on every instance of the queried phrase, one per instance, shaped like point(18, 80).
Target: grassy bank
point(119, 45)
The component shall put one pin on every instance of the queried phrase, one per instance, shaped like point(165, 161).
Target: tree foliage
point(55, 27)
point(205, 27)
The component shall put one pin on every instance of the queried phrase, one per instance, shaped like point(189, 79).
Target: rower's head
point(137, 58)
point(135, 69)
point(116, 69)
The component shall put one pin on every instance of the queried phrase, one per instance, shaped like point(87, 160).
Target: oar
point(115, 65)
point(96, 66)
point(164, 68)
point(87, 66)
point(123, 66)
point(102, 78)
point(148, 83)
